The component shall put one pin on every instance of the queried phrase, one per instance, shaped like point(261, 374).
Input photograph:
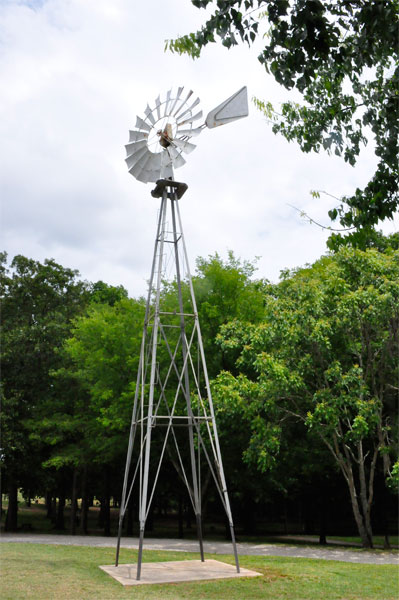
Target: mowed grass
point(44, 572)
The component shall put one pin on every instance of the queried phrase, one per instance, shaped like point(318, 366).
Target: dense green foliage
point(326, 355)
point(38, 303)
point(342, 56)
point(305, 383)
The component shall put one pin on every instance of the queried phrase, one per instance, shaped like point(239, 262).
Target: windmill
point(172, 395)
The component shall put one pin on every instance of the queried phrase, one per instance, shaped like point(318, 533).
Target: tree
point(225, 290)
point(104, 350)
point(342, 56)
point(105, 345)
point(102, 293)
point(325, 355)
point(38, 304)
point(101, 359)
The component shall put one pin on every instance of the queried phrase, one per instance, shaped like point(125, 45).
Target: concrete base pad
point(175, 571)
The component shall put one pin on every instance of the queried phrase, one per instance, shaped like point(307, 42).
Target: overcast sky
point(74, 75)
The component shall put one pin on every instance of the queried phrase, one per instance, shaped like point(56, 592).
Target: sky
point(75, 73)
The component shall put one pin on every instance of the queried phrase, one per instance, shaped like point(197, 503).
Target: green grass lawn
point(72, 573)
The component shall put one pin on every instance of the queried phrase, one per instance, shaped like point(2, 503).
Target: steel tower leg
point(197, 499)
point(143, 507)
point(158, 253)
point(146, 412)
point(219, 462)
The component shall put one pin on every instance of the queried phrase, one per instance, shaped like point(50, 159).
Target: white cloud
point(74, 76)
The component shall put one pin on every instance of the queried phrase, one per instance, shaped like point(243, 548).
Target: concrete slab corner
point(175, 572)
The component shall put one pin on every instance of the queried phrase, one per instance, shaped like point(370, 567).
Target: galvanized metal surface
point(232, 109)
point(158, 143)
point(164, 392)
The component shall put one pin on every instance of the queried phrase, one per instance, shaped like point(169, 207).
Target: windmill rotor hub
point(165, 136)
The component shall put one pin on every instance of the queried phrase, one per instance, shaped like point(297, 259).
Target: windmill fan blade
point(183, 104)
point(158, 106)
point(179, 91)
point(140, 124)
point(149, 115)
point(167, 172)
point(176, 156)
point(186, 112)
point(142, 176)
point(173, 152)
point(168, 94)
point(166, 166)
point(190, 119)
point(133, 147)
point(184, 146)
point(137, 136)
point(151, 169)
point(156, 160)
point(178, 160)
point(132, 159)
point(140, 165)
point(189, 132)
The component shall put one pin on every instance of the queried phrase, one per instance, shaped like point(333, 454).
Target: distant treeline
point(304, 374)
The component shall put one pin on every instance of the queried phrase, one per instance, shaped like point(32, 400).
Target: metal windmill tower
point(172, 394)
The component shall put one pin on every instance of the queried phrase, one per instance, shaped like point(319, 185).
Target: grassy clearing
point(46, 572)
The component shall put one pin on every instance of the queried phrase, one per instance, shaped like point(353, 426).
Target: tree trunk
point(356, 512)
point(385, 523)
point(85, 503)
point(130, 518)
point(107, 515)
point(322, 516)
point(74, 501)
point(386, 464)
point(285, 516)
point(365, 498)
point(345, 464)
point(188, 515)
point(101, 514)
point(84, 515)
point(11, 523)
point(180, 516)
point(49, 505)
point(60, 522)
point(150, 518)
point(54, 510)
point(227, 530)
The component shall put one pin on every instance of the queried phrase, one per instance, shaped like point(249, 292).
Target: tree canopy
point(325, 354)
point(304, 380)
point(343, 57)
point(38, 303)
